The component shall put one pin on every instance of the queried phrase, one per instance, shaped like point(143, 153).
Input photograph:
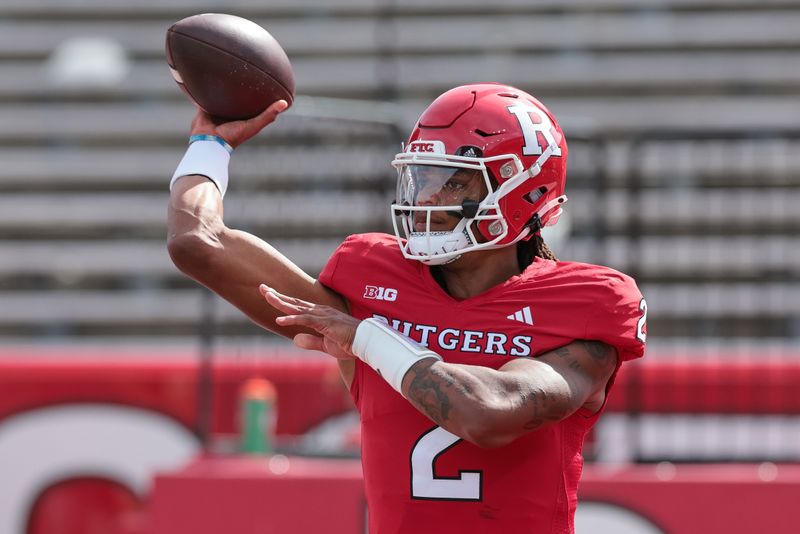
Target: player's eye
point(454, 185)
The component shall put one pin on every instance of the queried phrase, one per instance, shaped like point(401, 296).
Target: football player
point(477, 361)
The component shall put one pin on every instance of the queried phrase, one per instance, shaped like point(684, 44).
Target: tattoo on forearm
point(427, 392)
point(532, 400)
point(543, 407)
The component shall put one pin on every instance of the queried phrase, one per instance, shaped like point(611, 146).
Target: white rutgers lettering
point(473, 341)
point(453, 342)
point(406, 331)
point(495, 342)
point(470, 336)
point(530, 129)
point(381, 318)
point(522, 346)
point(426, 330)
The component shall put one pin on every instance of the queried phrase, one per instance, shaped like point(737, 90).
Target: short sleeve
point(620, 317)
point(328, 276)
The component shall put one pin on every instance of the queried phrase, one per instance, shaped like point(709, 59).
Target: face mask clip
point(469, 208)
point(535, 223)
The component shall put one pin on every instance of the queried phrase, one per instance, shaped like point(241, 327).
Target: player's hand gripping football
point(236, 132)
point(336, 330)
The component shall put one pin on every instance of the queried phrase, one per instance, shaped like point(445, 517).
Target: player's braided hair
point(532, 248)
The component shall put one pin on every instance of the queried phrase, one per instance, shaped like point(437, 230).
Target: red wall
point(247, 492)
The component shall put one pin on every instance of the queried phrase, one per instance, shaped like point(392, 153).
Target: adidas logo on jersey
point(522, 316)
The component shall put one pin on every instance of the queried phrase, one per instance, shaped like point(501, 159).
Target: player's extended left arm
point(487, 407)
point(491, 408)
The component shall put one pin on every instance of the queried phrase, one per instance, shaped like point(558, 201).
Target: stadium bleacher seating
point(710, 233)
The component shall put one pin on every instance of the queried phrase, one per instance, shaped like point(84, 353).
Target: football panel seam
point(210, 45)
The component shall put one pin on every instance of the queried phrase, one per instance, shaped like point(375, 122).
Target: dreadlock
point(532, 248)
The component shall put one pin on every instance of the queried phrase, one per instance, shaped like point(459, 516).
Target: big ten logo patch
point(380, 293)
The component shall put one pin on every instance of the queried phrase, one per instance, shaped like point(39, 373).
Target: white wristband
point(388, 351)
point(207, 158)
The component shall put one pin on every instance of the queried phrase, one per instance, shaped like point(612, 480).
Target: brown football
point(230, 66)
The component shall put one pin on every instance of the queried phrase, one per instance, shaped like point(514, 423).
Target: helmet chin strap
point(555, 203)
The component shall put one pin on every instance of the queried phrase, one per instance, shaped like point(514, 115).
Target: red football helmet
point(498, 135)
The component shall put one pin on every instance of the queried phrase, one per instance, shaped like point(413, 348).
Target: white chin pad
point(435, 243)
point(436, 248)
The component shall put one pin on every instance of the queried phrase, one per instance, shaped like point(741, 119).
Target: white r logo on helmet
point(529, 129)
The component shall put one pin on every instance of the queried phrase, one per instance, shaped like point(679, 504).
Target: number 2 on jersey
point(641, 334)
point(426, 485)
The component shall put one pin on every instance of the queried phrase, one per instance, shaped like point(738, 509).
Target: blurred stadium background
point(683, 121)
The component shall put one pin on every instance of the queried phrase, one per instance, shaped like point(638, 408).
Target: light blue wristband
point(206, 137)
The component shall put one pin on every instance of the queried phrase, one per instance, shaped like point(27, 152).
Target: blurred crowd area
point(682, 118)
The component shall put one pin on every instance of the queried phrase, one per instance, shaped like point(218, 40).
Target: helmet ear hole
point(535, 195)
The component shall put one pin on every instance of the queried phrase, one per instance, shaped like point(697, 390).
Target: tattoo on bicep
point(566, 354)
point(603, 356)
point(562, 352)
point(597, 350)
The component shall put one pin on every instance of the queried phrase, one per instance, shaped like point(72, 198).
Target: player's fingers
point(269, 114)
point(278, 106)
point(278, 303)
point(308, 321)
point(293, 301)
point(283, 302)
point(286, 300)
point(275, 301)
point(309, 342)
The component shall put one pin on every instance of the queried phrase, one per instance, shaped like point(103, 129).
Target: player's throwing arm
point(230, 262)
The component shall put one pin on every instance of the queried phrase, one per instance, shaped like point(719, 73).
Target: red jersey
point(420, 478)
